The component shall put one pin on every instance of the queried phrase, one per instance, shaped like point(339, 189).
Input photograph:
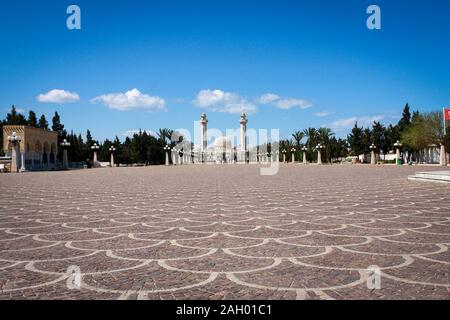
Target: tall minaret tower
point(244, 122)
point(204, 123)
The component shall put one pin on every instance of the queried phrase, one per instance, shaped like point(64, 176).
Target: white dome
point(222, 143)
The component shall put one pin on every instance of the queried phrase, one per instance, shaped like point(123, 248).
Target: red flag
point(447, 114)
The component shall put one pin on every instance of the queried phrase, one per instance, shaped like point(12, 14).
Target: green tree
point(32, 119)
point(405, 121)
point(43, 124)
point(58, 127)
point(425, 130)
point(14, 118)
point(355, 140)
point(298, 137)
point(378, 137)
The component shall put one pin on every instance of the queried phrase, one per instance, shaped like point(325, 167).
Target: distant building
point(39, 146)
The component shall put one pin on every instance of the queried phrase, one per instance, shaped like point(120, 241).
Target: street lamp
point(293, 155)
point(95, 148)
point(15, 139)
point(112, 149)
point(373, 148)
point(319, 148)
point(175, 156)
point(284, 155)
point(304, 149)
point(65, 144)
point(397, 146)
point(277, 156)
point(166, 150)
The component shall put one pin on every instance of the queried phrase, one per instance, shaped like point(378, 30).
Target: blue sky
point(292, 64)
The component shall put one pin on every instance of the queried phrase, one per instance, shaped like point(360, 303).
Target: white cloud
point(290, 103)
point(283, 102)
point(349, 123)
point(322, 114)
point(58, 96)
point(220, 101)
point(131, 100)
point(268, 98)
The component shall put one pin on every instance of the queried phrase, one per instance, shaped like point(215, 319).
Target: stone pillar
point(204, 123)
point(443, 157)
point(293, 157)
point(95, 157)
point(319, 156)
point(15, 154)
point(284, 157)
point(243, 123)
point(167, 158)
point(112, 160)
point(22, 161)
point(304, 157)
point(373, 158)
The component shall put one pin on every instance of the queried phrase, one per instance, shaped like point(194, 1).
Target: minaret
point(204, 123)
point(244, 122)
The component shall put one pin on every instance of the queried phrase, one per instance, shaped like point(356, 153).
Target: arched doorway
point(45, 155)
point(37, 155)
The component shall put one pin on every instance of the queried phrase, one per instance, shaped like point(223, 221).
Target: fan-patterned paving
point(224, 232)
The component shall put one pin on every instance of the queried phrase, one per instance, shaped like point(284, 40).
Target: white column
point(22, 161)
point(243, 123)
point(319, 156)
point(15, 158)
point(112, 160)
point(204, 123)
point(397, 155)
point(293, 157)
point(284, 157)
point(373, 158)
point(167, 158)
point(95, 157)
point(443, 157)
point(304, 157)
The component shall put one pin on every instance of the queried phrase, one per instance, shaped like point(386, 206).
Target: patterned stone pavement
point(224, 232)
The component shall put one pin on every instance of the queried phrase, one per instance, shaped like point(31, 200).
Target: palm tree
point(298, 137)
point(324, 135)
point(311, 135)
point(165, 136)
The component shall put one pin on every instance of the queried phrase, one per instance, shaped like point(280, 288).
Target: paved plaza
point(224, 232)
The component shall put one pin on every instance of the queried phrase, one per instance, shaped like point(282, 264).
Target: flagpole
point(445, 122)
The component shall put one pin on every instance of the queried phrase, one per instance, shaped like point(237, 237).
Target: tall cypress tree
point(405, 121)
point(14, 118)
point(43, 124)
point(58, 127)
point(32, 119)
